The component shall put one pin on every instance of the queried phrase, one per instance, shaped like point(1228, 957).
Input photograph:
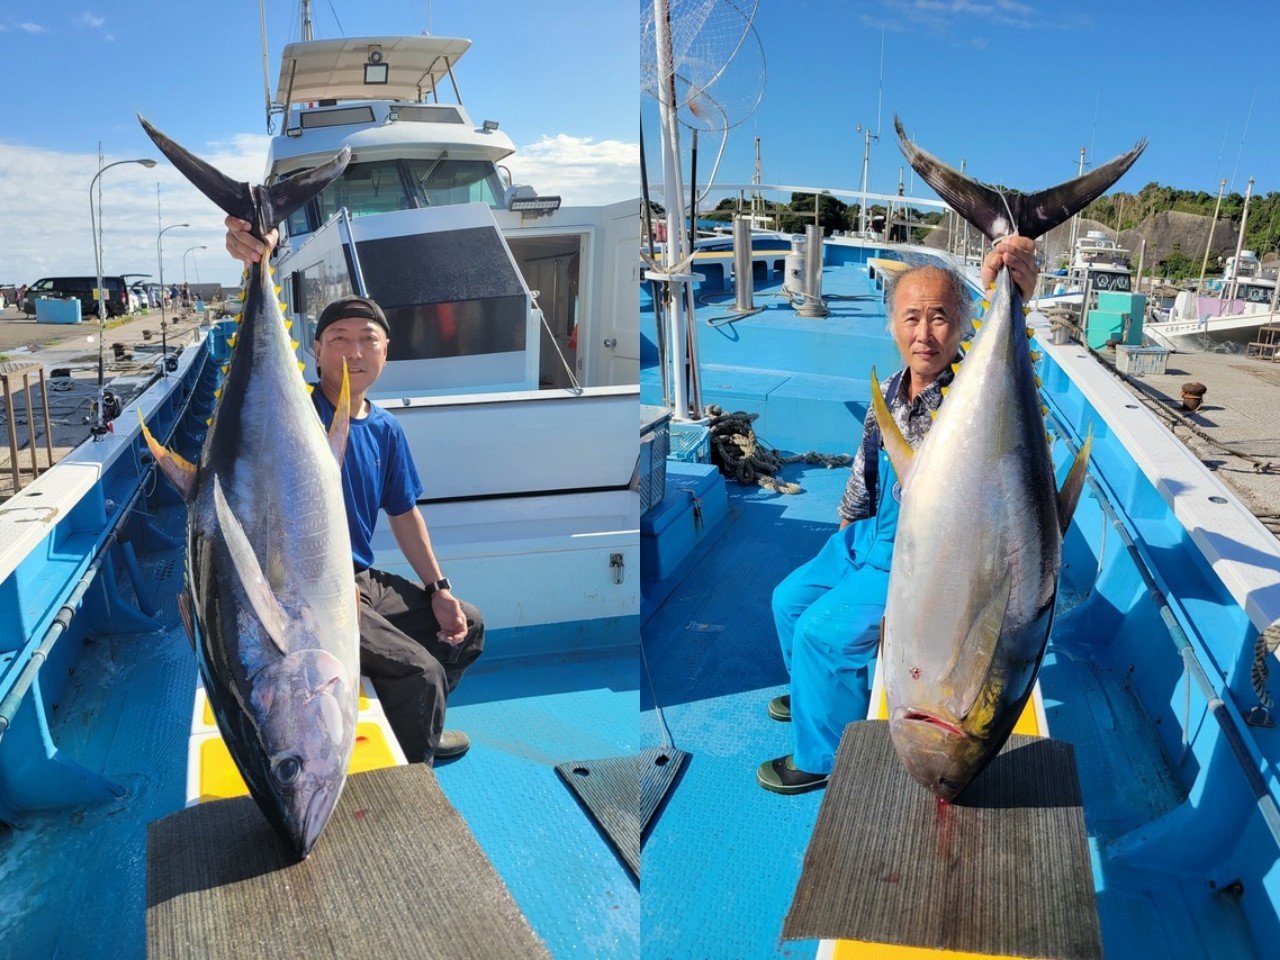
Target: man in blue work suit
point(828, 611)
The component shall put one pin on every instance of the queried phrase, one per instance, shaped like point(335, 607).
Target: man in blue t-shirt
point(415, 641)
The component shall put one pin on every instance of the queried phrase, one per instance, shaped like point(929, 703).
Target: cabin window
point(316, 287)
point(366, 188)
point(442, 182)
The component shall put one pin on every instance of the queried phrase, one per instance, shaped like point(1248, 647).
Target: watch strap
point(441, 584)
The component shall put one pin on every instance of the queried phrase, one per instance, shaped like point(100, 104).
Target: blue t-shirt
point(377, 473)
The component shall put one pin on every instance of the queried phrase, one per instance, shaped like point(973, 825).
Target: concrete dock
point(1236, 430)
point(74, 348)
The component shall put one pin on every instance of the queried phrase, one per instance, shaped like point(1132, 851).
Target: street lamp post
point(100, 421)
point(164, 340)
point(184, 263)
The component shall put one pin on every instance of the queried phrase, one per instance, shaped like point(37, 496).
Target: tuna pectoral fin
point(895, 444)
point(976, 655)
point(264, 603)
point(180, 471)
point(1000, 213)
point(341, 424)
point(1069, 495)
point(264, 207)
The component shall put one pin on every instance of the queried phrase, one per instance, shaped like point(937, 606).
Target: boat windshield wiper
point(426, 177)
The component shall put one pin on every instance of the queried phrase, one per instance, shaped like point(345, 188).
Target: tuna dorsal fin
point(1002, 213)
point(180, 471)
point(255, 585)
point(1069, 495)
point(264, 207)
point(895, 444)
point(341, 424)
point(978, 649)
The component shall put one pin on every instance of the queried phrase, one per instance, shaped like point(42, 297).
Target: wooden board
point(396, 873)
point(1002, 872)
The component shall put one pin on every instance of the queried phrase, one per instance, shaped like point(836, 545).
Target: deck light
point(375, 69)
point(534, 206)
point(490, 125)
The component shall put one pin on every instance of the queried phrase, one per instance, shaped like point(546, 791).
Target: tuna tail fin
point(1002, 213)
point(264, 206)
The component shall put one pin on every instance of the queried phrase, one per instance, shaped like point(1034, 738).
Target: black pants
point(412, 669)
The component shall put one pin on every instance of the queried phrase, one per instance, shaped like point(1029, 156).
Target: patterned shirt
point(913, 419)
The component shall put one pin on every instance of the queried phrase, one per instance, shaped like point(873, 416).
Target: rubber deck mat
point(396, 873)
point(1003, 871)
point(622, 794)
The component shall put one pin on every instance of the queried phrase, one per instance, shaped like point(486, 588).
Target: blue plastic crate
point(690, 443)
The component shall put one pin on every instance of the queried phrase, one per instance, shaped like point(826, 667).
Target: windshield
point(383, 186)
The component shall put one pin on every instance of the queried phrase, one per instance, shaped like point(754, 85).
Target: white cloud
point(45, 196)
point(89, 20)
point(33, 28)
point(582, 170)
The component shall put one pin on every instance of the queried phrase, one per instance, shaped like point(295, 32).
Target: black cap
point(347, 307)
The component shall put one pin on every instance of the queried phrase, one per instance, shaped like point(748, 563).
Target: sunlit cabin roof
point(334, 69)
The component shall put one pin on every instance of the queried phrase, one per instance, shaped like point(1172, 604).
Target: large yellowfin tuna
point(270, 600)
point(979, 541)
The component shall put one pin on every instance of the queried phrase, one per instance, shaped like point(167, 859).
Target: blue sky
point(563, 84)
point(1015, 87)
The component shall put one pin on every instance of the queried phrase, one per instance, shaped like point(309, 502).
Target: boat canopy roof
point(334, 69)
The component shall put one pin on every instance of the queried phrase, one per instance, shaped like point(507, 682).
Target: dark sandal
point(780, 708)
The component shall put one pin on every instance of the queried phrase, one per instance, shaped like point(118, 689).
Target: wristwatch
point(441, 584)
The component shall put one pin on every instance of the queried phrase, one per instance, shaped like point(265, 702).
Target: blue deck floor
point(73, 882)
point(713, 654)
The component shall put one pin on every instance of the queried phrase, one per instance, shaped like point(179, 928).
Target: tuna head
point(302, 711)
point(950, 712)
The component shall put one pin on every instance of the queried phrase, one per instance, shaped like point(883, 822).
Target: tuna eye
point(287, 770)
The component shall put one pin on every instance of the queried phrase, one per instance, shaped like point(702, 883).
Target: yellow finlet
point(301, 365)
point(217, 394)
point(278, 288)
point(225, 368)
point(955, 368)
point(288, 325)
point(933, 414)
point(945, 390)
point(895, 444)
point(977, 324)
point(231, 341)
point(986, 304)
point(311, 388)
point(1035, 356)
point(991, 286)
point(209, 422)
point(293, 344)
point(1044, 410)
point(966, 346)
point(1026, 311)
point(1039, 382)
point(238, 317)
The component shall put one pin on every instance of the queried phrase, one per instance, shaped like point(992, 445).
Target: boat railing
point(66, 533)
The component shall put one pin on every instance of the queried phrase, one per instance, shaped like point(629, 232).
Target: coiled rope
point(744, 457)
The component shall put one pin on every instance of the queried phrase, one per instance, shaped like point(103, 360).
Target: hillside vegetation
point(1174, 223)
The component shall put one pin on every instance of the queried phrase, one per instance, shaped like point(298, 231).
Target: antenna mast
point(266, 78)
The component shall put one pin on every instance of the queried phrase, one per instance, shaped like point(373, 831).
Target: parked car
point(117, 294)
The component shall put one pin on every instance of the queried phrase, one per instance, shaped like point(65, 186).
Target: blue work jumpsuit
point(828, 613)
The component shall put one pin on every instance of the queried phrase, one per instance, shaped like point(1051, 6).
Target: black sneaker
point(780, 708)
point(781, 776)
point(453, 744)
